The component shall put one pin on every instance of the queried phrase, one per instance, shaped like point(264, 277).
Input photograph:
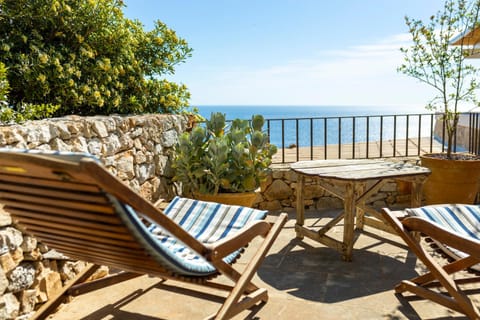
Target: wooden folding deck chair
point(73, 204)
point(455, 229)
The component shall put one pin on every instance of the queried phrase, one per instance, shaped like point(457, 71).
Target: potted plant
point(220, 162)
point(433, 60)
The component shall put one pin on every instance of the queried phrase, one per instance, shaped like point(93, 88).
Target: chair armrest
point(244, 236)
point(468, 245)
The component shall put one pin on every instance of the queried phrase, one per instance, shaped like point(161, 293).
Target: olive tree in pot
point(222, 163)
point(432, 60)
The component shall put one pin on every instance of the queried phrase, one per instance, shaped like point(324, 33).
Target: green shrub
point(223, 158)
point(86, 57)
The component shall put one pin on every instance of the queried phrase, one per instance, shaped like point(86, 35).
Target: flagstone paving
point(306, 280)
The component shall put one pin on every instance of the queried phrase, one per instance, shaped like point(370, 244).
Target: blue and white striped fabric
point(206, 221)
point(459, 219)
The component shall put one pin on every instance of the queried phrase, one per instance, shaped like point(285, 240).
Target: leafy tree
point(87, 57)
point(434, 61)
point(4, 85)
point(26, 111)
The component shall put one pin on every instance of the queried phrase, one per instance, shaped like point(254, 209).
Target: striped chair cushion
point(459, 219)
point(206, 221)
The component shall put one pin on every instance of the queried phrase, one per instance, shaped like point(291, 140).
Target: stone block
point(95, 146)
point(313, 191)
point(22, 277)
point(278, 190)
point(270, 205)
point(291, 176)
point(329, 202)
point(7, 263)
point(140, 157)
point(5, 218)
point(144, 172)
point(58, 144)
point(34, 255)
point(79, 144)
point(49, 284)
point(29, 243)
point(17, 255)
point(169, 138)
point(125, 167)
point(101, 272)
point(3, 282)
point(111, 145)
point(11, 237)
point(27, 300)
point(100, 129)
point(9, 306)
point(277, 174)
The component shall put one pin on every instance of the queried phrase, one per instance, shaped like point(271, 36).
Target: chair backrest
point(71, 203)
point(62, 205)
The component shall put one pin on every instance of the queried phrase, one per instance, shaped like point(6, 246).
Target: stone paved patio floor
point(306, 280)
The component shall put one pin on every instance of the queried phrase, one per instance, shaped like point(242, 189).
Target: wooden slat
point(65, 185)
point(55, 202)
point(104, 217)
point(67, 223)
point(324, 239)
point(104, 237)
point(95, 255)
point(137, 253)
point(45, 167)
point(125, 246)
point(72, 195)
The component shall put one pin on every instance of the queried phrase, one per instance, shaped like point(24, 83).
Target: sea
point(324, 125)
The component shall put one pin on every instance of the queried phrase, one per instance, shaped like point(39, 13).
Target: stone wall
point(136, 149)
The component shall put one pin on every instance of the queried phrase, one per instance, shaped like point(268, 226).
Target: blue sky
point(293, 52)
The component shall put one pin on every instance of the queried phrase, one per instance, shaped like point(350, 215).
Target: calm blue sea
point(331, 124)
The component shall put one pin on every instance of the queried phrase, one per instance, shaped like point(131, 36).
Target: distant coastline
point(285, 112)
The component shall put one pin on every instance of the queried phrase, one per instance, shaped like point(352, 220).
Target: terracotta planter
point(451, 181)
point(245, 199)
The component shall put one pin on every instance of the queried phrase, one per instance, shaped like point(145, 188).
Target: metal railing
point(360, 137)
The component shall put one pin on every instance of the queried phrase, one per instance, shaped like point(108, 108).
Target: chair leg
point(232, 305)
point(55, 301)
point(456, 299)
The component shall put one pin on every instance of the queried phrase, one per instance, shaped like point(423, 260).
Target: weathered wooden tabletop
point(354, 170)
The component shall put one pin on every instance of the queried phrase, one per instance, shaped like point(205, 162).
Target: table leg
point(416, 200)
point(416, 195)
point(349, 221)
point(300, 204)
point(360, 213)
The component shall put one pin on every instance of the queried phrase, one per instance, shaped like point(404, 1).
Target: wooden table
point(353, 181)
